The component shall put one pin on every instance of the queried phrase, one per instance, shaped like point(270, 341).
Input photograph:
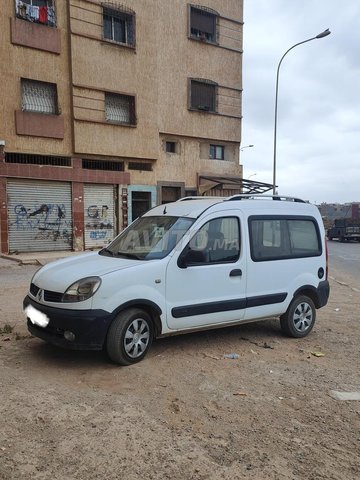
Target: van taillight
point(327, 258)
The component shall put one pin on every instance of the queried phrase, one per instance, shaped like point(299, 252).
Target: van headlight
point(82, 289)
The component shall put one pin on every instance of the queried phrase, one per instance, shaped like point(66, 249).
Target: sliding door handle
point(236, 273)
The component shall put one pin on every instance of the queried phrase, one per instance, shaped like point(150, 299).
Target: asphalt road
point(344, 261)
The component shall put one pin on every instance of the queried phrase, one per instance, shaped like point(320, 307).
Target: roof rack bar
point(246, 196)
point(208, 197)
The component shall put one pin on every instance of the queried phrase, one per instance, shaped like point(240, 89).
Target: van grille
point(34, 289)
point(49, 296)
point(52, 296)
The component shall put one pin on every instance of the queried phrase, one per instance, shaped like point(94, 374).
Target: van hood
point(58, 276)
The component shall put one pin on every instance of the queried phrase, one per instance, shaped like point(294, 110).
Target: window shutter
point(203, 96)
point(203, 21)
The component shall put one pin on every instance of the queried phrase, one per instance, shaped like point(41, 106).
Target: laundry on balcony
point(33, 13)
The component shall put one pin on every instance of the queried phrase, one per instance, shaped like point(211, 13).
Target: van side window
point(275, 238)
point(217, 241)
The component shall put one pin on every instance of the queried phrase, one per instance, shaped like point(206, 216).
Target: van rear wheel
point(130, 336)
point(299, 319)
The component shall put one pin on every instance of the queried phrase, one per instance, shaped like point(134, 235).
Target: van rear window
point(274, 238)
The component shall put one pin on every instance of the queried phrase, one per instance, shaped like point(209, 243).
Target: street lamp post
point(323, 34)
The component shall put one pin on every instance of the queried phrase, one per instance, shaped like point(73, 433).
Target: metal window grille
point(119, 108)
point(39, 97)
point(103, 165)
point(203, 23)
point(203, 96)
point(140, 166)
point(37, 11)
point(37, 159)
point(217, 152)
point(119, 26)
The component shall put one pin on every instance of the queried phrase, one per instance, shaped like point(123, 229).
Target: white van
point(197, 263)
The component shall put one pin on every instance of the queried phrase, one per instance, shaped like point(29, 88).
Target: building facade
point(111, 108)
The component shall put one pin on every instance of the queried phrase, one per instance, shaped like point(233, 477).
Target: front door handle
point(236, 273)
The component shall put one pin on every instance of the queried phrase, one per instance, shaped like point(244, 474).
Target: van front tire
point(299, 319)
point(130, 336)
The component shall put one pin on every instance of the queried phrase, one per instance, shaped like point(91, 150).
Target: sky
point(318, 125)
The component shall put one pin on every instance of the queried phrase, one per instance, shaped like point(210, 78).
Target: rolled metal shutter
point(99, 215)
point(40, 216)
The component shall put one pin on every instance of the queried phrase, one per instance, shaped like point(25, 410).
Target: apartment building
point(108, 109)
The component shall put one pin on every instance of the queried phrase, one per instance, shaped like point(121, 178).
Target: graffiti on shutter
point(99, 215)
point(39, 216)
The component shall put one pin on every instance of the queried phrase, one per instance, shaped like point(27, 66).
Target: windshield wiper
point(128, 255)
point(106, 251)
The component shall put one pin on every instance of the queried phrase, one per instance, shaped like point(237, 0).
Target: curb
point(19, 261)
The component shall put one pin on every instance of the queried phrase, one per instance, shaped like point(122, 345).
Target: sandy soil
point(185, 412)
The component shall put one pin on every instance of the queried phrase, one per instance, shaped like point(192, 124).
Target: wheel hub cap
point(303, 317)
point(137, 338)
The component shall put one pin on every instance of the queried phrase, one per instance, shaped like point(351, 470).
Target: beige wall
point(192, 158)
point(184, 58)
point(21, 62)
point(156, 72)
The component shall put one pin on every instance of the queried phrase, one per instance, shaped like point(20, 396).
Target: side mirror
point(193, 257)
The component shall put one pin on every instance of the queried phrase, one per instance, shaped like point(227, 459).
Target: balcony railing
point(45, 14)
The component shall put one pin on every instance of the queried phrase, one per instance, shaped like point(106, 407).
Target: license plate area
point(36, 317)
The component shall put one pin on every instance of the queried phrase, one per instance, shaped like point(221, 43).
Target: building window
point(37, 159)
point(140, 166)
point(119, 25)
point(217, 152)
point(203, 22)
point(39, 97)
point(170, 147)
point(203, 95)
point(38, 11)
point(120, 108)
point(103, 165)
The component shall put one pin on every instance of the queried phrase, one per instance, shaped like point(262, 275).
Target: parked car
point(194, 264)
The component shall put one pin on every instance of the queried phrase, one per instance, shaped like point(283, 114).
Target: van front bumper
point(88, 326)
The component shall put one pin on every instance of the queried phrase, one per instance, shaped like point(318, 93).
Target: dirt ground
point(185, 412)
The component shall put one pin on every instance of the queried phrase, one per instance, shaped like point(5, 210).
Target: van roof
point(193, 207)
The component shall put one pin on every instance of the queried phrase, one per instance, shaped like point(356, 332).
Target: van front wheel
point(299, 318)
point(130, 336)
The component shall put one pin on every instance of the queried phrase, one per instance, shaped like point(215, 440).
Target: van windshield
point(149, 238)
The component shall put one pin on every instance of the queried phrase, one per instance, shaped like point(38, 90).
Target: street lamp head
point(323, 34)
point(247, 146)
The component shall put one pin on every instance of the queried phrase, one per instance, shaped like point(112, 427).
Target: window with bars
point(203, 23)
point(120, 108)
point(103, 165)
point(39, 97)
point(37, 11)
point(119, 26)
point(217, 152)
point(37, 159)
point(203, 95)
point(140, 166)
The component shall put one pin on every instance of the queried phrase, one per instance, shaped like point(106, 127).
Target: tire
point(299, 319)
point(130, 336)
